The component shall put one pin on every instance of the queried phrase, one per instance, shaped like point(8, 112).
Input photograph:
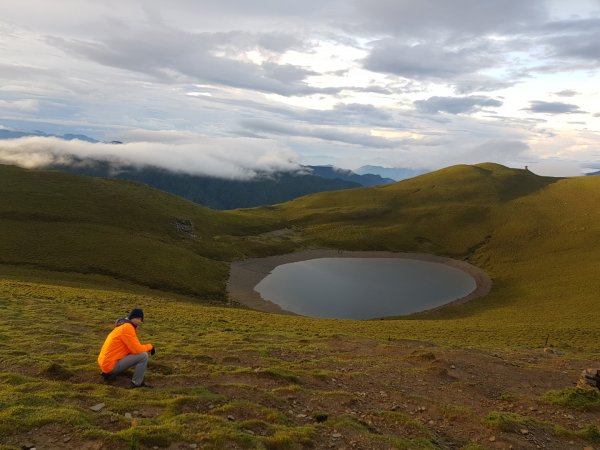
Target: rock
point(97, 407)
point(524, 431)
point(185, 226)
point(193, 445)
point(336, 435)
point(128, 415)
point(590, 378)
point(453, 366)
point(66, 439)
point(492, 439)
point(231, 418)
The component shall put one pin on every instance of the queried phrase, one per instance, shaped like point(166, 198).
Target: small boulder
point(590, 378)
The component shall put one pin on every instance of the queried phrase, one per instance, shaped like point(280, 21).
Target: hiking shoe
point(109, 377)
point(143, 385)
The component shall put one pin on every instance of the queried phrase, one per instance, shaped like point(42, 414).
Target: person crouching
point(122, 350)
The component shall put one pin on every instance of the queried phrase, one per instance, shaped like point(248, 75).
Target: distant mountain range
point(364, 179)
point(393, 173)
point(11, 134)
point(217, 193)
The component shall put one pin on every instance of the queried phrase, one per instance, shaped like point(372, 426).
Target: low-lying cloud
point(233, 158)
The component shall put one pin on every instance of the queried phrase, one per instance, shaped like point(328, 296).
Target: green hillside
point(75, 253)
point(535, 236)
point(448, 211)
point(63, 226)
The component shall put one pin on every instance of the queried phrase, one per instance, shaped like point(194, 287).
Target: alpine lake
point(363, 288)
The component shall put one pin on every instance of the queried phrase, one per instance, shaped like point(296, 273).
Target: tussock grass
point(254, 401)
point(506, 421)
point(589, 433)
point(582, 399)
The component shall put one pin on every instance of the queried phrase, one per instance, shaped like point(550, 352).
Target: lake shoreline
point(246, 274)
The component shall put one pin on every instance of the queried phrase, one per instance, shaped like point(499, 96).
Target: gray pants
point(139, 360)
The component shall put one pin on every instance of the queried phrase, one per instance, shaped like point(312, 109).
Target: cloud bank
point(233, 158)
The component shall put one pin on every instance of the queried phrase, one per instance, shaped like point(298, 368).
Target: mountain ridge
point(394, 173)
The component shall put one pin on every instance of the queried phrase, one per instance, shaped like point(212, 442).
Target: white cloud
point(402, 82)
point(236, 158)
point(26, 105)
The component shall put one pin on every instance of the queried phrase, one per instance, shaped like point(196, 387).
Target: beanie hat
point(136, 313)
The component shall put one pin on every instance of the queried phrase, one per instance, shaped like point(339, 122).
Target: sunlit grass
point(78, 254)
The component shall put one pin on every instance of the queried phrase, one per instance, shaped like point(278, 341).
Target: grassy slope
point(59, 222)
point(232, 378)
point(273, 374)
point(448, 211)
point(535, 236)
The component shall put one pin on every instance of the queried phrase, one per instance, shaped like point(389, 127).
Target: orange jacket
point(121, 342)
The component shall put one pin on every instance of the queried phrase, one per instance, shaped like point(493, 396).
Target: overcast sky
point(211, 85)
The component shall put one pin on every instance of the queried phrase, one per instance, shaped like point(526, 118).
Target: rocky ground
point(362, 394)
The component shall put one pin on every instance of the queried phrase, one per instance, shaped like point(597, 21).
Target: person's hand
point(152, 350)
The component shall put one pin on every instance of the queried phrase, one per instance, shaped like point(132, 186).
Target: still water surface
point(363, 288)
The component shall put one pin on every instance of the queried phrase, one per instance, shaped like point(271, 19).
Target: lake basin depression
point(354, 285)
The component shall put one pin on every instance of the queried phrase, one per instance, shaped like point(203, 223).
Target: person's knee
point(143, 357)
